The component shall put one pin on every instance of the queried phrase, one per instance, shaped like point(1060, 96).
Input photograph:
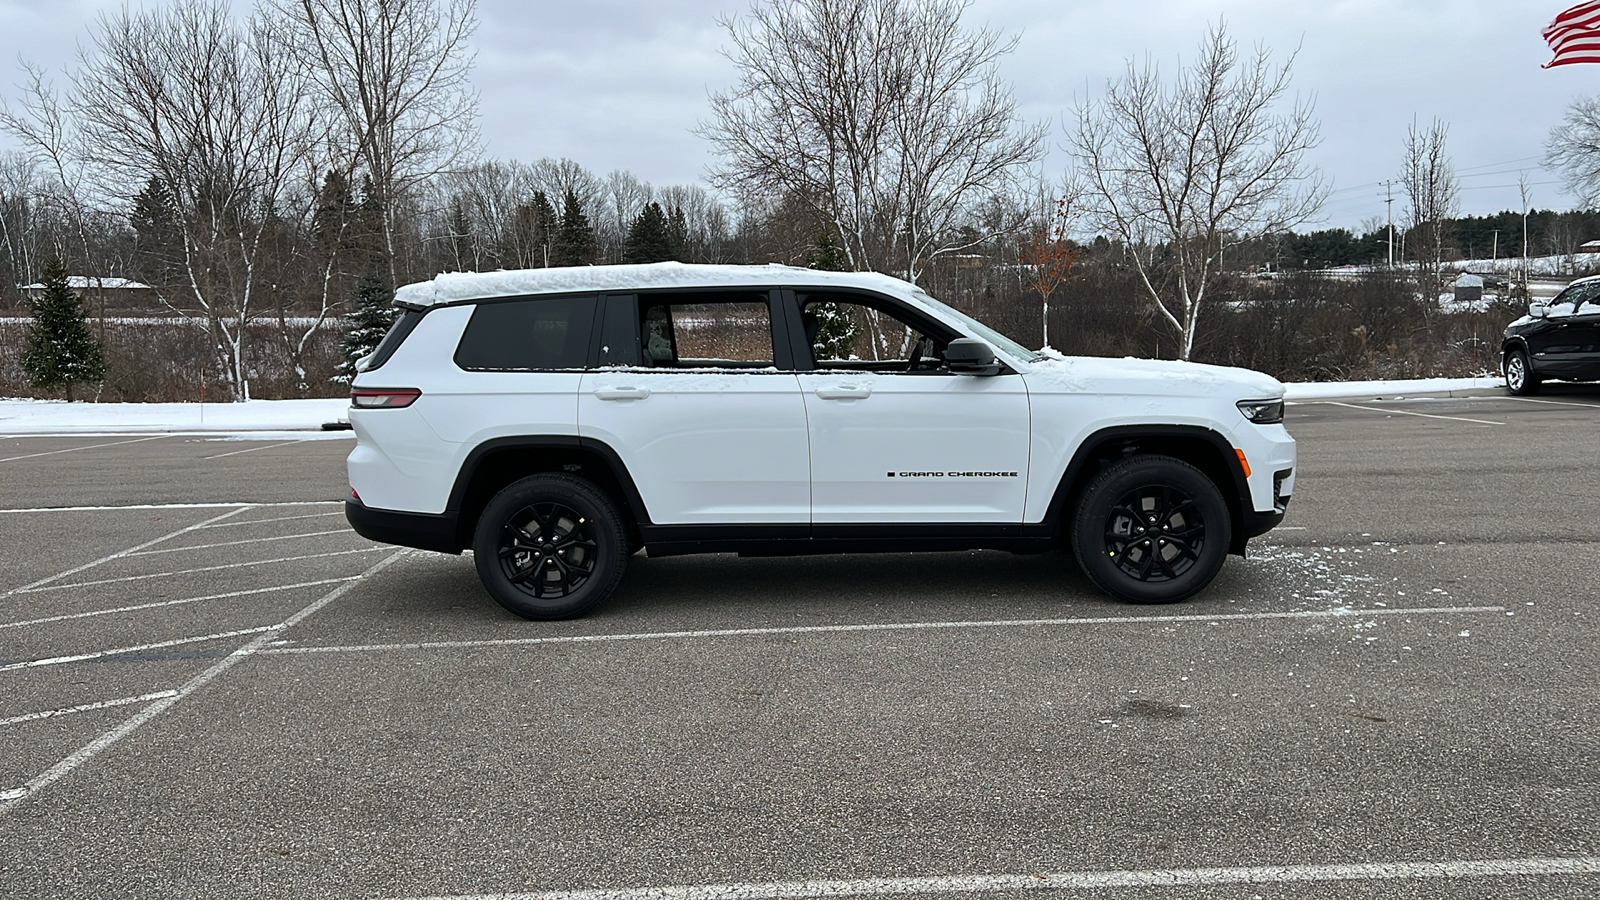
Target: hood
point(1168, 378)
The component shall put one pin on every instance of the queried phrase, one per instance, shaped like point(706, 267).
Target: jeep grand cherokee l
point(556, 421)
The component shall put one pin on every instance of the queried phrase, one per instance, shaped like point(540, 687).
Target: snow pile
point(1389, 390)
point(57, 417)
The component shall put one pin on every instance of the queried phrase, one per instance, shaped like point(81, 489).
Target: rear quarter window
point(528, 334)
point(393, 338)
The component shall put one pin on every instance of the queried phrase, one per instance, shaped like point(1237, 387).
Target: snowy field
point(304, 419)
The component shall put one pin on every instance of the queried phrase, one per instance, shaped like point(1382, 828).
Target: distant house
point(1589, 247)
point(111, 294)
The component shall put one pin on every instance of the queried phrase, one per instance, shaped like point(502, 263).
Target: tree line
point(270, 178)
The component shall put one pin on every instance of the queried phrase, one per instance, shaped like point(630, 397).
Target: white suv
point(555, 421)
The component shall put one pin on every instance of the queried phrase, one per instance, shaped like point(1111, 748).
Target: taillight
point(383, 398)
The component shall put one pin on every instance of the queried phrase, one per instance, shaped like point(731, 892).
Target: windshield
point(980, 330)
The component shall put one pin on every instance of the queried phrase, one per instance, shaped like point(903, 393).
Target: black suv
point(1559, 339)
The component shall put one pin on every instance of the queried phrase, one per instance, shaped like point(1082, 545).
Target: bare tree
point(1573, 149)
point(220, 117)
point(396, 73)
point(886, 117)
point(1433, 196)
point(625, 196)
point(1046, 255)
point(707, 228)
point(1179, 171)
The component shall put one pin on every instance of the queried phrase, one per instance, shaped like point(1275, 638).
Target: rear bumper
point(423, 531)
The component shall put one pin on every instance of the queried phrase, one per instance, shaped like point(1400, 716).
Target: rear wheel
point(1151, 529)
point(550, 547)
point(1520, 379)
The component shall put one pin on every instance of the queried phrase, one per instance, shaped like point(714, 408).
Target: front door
point(895, 436)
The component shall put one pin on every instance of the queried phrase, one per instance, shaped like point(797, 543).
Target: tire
point(1151, 529)
point(550, 547)
point(1520, 379)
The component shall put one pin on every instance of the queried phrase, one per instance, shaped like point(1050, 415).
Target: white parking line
point(245, 503)
point(262, 540)
point(11, 798)
point(1552, 402)
point(89, 447)
point(87, 707)
point(238, 565)
point(120, 651)
point(135, 608)
point(1069, 881)
point(320, 515)
point(33, 586)
point(1402, 412)
point(896, 626)
point(251, 450)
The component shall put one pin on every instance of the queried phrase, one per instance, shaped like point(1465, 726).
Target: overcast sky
point(619, 85)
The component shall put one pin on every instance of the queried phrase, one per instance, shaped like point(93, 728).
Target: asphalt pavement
point(210, 687)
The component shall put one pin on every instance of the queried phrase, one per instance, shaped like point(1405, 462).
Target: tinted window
point(845, 333)
point(706, 332)
point(520, 335)
point(392, 339)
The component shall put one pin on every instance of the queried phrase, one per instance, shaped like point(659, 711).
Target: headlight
point(1262, 412)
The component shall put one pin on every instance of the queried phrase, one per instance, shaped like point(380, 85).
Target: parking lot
point(209, 686)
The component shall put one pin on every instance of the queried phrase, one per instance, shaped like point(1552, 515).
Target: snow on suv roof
point(452, 287)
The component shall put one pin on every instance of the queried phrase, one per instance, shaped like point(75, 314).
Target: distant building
point(1469, 288)
point(119, 295)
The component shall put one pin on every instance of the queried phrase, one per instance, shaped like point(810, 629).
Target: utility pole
point(1389, 186)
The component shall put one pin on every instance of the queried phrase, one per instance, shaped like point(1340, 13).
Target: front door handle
point(845, 392)
point(622, 393)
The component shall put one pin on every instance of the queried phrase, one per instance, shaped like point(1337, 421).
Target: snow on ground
point(1389, 390)
point(303, 419)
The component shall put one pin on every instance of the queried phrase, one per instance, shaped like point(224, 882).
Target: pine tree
point(61, 352)
point(826, 254)
point(155, 233)
point(575, 243)
point(371, 315)
point(648, 240)
point(545, 227)
point(836, 330)
point(677, 235)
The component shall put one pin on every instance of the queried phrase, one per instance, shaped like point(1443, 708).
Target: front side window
point(845, 333)
point(528, 335)
point(1578, 298)
point(706, 331)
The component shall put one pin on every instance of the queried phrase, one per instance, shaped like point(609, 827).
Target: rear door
point(701, 407)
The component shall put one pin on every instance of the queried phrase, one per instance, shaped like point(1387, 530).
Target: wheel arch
point(1516, 342)
point(498, 462)
point(1206, 450)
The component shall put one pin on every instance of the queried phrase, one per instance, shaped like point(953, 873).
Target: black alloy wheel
point(550, 547)
point(1151, 529)
point(1520, 379)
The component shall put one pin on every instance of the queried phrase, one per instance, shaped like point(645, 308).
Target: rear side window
point(525, 335)
point(393, 338)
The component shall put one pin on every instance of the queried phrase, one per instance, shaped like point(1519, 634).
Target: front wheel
point(1151, 529)
point(550, 547)
point(1520, 379)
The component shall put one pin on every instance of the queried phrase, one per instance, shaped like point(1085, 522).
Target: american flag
point(1575, 35)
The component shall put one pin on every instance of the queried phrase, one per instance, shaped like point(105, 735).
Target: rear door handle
point(622, 393)
point(845, 392)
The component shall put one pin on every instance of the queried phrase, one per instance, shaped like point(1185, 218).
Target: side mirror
point(1536, 309)
point(970, 356)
